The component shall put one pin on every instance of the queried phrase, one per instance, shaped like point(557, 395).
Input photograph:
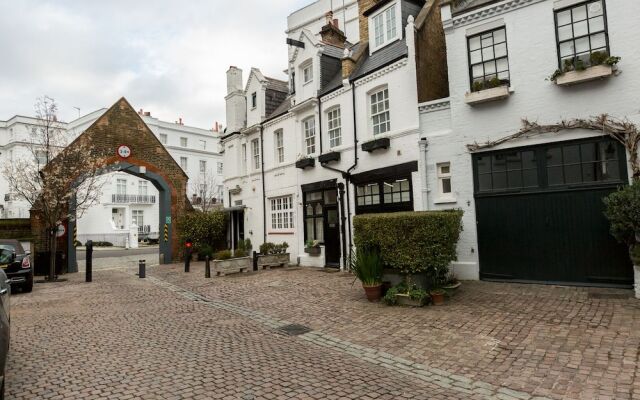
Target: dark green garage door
point(540, 213)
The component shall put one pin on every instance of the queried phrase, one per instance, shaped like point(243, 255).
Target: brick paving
point(179, 335)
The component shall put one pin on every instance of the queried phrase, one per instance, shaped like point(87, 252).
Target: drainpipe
point(342, 227)
point(320, 123)
point(264, 193)
point(424, 144)
point(355, 160)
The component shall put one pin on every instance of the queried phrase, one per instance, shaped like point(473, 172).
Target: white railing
point(133, 199)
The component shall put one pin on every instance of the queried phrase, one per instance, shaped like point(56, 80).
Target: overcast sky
point(166, 56)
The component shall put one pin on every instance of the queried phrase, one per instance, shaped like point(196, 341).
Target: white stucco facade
point(449, 125)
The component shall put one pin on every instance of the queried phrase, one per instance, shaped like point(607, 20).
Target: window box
point(590, 74)
point(232, 266)
point(486, 95)
point(266, 261)
point(313, 251)
point(306, 163)
point(329, 157)
point(376, 144)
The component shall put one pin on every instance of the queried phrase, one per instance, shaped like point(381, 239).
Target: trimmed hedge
point(622, 208)
point(207, 231)
point(411, 242)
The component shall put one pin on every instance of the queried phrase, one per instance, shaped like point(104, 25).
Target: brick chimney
point(363, 6)
point(331, 33)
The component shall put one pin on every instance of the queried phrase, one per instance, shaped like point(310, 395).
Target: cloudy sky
point(166, 56)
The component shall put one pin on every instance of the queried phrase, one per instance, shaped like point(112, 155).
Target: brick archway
point(120, 126)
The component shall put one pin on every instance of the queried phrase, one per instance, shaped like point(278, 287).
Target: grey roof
point(386, 55)
point(281, 109)
point(277, 85)
point(332, 51)
point(463, 6)
point(276, 92)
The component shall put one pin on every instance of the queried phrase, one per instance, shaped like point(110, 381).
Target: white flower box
point(486, 95)
point(590, 74)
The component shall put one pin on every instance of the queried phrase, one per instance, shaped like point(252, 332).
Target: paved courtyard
point(181, 336)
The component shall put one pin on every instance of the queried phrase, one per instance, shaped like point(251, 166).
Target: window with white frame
point(282, 213)
point(444, 179)
point(121, 186)
point(380, 117)
point(137, 217)
point(220, 168)
point(582, 35)
point(203, 144)
point(203, 166)
point(335, 127)
point(307, 72)
point(385, 27)
point(309, 128)
point(41, 157)
point(183, 142)
point(163, 138)
point(278, 140)
point(255, 150)
point(183, 163)
point(143, 187)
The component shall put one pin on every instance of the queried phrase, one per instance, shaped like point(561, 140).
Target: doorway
point(322, 219)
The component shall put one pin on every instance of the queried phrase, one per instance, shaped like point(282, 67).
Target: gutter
point(264, 194)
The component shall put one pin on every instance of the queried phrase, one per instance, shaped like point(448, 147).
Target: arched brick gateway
point(122, 126)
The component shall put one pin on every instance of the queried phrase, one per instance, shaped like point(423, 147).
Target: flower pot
point(438, 298)
point(313, 251)
point(374, 293)
point(451, 289)
point(405, 300)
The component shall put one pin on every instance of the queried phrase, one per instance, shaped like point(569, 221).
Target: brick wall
point(19, 228)
point(431, 54)
point(364, 5)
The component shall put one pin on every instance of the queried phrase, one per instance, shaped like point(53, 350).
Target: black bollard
point(89, 261)
point(187, 259)
point(207, 267)
point(142, 269)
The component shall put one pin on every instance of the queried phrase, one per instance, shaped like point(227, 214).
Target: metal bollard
point(89, 262)
point(187, 260)
point(207, 267)
point(142, 269)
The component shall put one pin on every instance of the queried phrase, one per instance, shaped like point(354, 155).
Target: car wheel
point(27, 288)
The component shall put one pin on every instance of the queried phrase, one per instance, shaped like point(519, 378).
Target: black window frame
point(484, 74)
point(542, 168)
point(323, 188)
point(588, 35)
point(382, 206)
point(254, 100)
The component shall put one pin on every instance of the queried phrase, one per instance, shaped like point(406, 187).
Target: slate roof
point(281, 109)
point(386, 55)
point(277, 85)
point(277, 91)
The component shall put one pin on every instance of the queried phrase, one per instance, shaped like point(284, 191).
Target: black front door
point(322, 219)
point(540, 213)
point(331, 235)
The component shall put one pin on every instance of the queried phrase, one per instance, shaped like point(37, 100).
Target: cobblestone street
point(177, 335)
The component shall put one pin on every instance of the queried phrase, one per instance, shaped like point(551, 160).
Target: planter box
point(377, 144)
point(637, 274)
point(486, 95)
point(405, 300)
point(306, 163)
point(329, 157)
point(451, 289)
point(589, 74)
point(313, 251)
point(232, 266)
point(273, 260)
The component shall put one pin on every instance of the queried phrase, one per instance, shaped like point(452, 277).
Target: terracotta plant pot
point(374, 293)
point(437, 298)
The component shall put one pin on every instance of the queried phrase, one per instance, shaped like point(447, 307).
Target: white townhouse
point(126, 201)
point(340, 139)
point(533, 205)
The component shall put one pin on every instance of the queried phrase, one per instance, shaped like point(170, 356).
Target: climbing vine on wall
point(623, 131)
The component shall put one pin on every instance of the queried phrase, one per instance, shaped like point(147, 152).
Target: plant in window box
point(487, 90)
point(305, 161)
point(312, 247)
point(577, 70)
point(366, 264)
point(273, 255)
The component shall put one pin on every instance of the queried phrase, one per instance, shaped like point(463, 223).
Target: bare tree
point(52, 178)
point(205, 192)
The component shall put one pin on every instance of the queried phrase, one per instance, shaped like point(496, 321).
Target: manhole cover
point(294, 329)
point(620, 296)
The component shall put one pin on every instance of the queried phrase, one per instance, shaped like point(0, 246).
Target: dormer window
point(384, 24)
point(307, 73)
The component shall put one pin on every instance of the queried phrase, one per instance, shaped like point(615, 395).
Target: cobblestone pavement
point(177, 335)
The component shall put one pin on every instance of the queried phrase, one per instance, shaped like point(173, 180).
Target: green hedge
point(622, 208)
point(207, 231)
point(411, 242)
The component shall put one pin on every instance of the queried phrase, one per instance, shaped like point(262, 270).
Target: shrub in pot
point(312, 247)
point(437, 296)
point(367, 267)
point(273, 255)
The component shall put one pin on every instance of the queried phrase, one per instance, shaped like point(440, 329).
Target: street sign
point(61, 231)
point(124, 151)
point(167, 220)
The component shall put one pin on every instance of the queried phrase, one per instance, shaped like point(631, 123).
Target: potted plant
point(437, 296)
point(451, 284)
point(406, 294)
point(273, 255)
point(312, 247)
point(229, 262)
point(367, 267)
point(622, 208)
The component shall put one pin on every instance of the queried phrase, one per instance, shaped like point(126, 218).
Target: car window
point(6, 253)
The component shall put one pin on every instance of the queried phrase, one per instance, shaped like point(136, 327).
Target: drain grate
point(618, 296)
point(294, 329)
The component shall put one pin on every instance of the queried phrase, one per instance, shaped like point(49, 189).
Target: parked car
point(5, 331)
point(17, 265)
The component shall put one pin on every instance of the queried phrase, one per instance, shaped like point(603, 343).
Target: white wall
point(532, 57)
